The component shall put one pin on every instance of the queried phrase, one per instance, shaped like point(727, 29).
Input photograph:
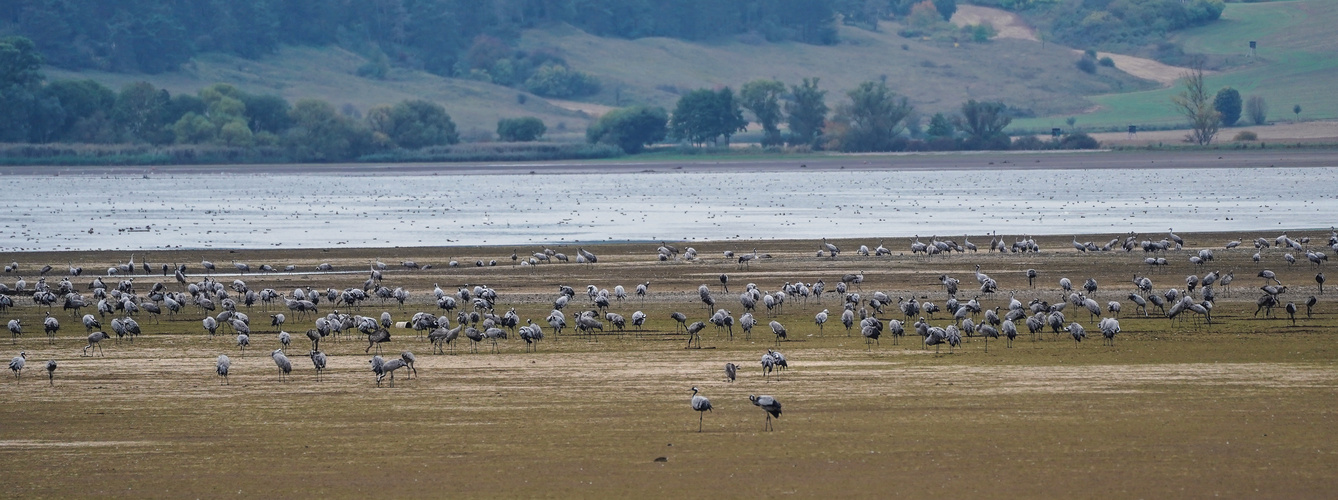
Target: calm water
point(86, 212)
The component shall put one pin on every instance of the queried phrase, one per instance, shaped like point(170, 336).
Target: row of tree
point(33, 110)
point(873, 118)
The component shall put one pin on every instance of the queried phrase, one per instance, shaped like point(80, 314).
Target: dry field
point(1244, 407)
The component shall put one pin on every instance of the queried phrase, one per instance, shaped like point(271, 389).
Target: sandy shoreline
point(955, 161)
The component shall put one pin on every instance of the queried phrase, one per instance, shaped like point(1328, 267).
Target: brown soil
point(1241, 407)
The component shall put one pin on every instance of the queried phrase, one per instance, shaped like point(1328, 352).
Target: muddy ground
point(1242, 407)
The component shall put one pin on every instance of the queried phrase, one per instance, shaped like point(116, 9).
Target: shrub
point(1246, 135)
point(1029, 143)
point(1086, 65)
point(1078, 140)
point(560, 81)
point(1107, 62)
point(524, 129)
point(630, 128)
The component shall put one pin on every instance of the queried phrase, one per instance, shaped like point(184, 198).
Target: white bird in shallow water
point(769, 405)
point(702, 405)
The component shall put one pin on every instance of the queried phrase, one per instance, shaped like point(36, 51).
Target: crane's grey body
point(283, 363)
point(769, 405)
point(222, 367)
point(701, 405)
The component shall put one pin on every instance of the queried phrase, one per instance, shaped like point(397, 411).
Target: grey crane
point(95, 341)
point(16, 365)
point(388, 368)
point(1009, 331)
point(444, 336)
point(1109, 327)
point(1319, 278)
point(769, 405)
point(694, 331)
point(778, 329)
point(731, 371)
point(283, 363)
point(15, 330)
point(376, 338)
point(318, 361)
point(222, 367)
point(1291, 311)
point(1309, 304)
point(681, 318)
point(475, 336)
point(831, 249)
point(243, 341)
point(1269, 275)
point(1076, 330)
point(51, 372)
point(701, 405)
point(820, 319)
point(50, 326)
point(285, 339)
point(409, 359)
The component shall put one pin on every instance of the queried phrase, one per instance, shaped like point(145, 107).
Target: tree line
point(33, 110)
point(870, 118)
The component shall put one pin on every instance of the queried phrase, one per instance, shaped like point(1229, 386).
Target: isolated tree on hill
point(1228, 103)
point(807, 111)
point(762, 99)
point(1257, 109)
point(630, 128)
point(874, 117)
point(1195, 104)
point(703, 115)
point(985, 122)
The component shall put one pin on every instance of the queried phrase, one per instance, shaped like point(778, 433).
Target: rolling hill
point(1293, 63)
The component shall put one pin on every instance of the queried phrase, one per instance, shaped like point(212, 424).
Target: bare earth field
point(1244, 407)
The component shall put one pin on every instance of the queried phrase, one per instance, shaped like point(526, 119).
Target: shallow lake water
point(167, 210)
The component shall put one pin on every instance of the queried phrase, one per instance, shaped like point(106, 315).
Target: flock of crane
point(473, 312)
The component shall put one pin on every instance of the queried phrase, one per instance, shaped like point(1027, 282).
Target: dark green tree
point(703, 115)
point(946, 8)
point(20, 63)
point(414, 124)
point(873, 118)
point(1228, 103)
point(940, 126)
point(807, 112)
point(984, 123)
point(322, 133)
point(631, 129)
point(267, 113)
point(524, 129)
point(138, 112)
point(762, 99)
point(26, 113)
point(87, 107)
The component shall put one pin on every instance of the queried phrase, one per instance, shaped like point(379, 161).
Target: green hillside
point(936, 76)
point(1295, 64)
point(329, 73)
